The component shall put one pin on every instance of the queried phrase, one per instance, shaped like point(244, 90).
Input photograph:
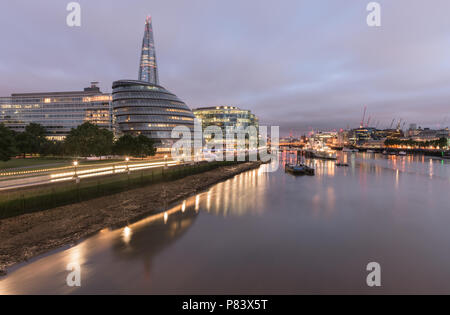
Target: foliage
point(7, 147)
point(32, 140)
point(87, 140)
point(139, 146)
point(441, 143)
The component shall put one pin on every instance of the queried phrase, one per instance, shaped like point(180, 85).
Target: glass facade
point(148, 70)
point(143, 108)
point(57, 112)
point(228, 118)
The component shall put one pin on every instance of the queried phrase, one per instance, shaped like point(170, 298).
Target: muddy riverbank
point(29, 235)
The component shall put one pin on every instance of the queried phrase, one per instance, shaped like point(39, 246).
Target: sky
point(299, 64)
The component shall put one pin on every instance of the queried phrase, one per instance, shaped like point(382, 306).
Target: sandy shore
point(29, 235)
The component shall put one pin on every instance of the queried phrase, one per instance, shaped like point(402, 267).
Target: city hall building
point(57, 112)
point(142, 107)
point(145, 107)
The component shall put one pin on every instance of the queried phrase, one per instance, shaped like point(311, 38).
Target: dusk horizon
point(225, 155)
point(318, 61)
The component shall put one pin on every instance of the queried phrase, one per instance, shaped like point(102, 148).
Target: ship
point(299, 169)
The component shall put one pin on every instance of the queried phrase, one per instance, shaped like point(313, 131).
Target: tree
point(442, 142)
point(139, 146)
point(37, 133)
point(145, 146)
point(55, 148)
point(7, 148)
point(125, 145)
point(89, 139)
point(32, 140)
point(25, 143)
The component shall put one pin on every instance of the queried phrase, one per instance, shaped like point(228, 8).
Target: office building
point(57, 112)
point(229, 118)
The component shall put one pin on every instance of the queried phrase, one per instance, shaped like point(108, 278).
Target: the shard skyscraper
point(148, 70)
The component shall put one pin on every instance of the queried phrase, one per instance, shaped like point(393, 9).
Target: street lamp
point(75, 164)
point(165, 161)
point(127, 159)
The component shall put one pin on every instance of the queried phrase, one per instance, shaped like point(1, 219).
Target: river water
point(274, 233)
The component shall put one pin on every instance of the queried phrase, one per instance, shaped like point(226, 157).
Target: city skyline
point(300, 65)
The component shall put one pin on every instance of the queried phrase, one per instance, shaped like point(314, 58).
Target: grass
point(16, 163)
point(17, 202)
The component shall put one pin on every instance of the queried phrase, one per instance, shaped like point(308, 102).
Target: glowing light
point(197, 202)
point(166, 217)
point(183, 206)
point(126, 234)
point(97, 98)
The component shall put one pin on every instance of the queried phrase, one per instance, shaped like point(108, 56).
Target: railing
point(59, 193)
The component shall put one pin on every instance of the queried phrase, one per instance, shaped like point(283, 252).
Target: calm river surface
point(274, 233)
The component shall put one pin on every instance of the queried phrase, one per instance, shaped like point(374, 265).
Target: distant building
point(389, 134)
point(428, 134)
point(57, 112)
point(343, 137)
point(145, 107)
point(360, 135)
point(326, 137)
point(413, 131)
point(228, 118)
point(412, 126)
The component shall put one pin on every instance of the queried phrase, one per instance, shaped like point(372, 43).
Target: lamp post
point(77, 179)
point(127, 159)
point(165, 161)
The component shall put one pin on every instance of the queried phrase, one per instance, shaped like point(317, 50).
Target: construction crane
point(392, 123)
point(399, 122)
point(363, 117)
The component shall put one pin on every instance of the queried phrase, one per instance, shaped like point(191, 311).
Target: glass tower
point(148, 70)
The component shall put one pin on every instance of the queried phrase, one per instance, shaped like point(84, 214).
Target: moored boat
point(325, 154)
point(299, 169)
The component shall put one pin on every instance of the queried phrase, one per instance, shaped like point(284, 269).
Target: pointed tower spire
point(148, 70)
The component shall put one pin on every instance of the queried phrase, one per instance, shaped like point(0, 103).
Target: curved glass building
point(145, 108)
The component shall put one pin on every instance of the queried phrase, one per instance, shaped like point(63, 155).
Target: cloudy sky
point(300, 64)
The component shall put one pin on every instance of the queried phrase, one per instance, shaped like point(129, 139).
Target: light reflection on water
point(264, 232)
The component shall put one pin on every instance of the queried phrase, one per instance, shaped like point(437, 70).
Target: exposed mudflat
point(29, 235)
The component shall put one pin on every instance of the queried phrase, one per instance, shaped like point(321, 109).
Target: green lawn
point(31, 162)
